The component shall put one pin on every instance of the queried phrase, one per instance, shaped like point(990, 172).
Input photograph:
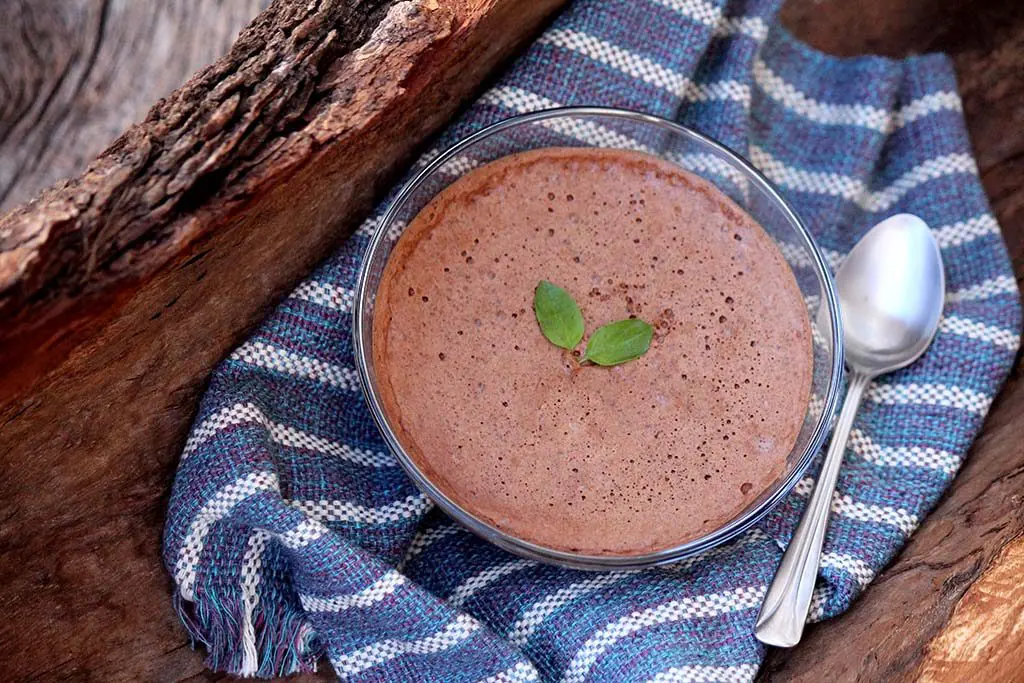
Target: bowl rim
point(362, 322)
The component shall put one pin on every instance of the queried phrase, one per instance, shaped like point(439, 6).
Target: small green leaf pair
point(561, 322)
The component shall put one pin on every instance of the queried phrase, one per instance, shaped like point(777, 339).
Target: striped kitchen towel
point(293, 535)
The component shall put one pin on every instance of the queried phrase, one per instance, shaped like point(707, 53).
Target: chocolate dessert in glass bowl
point(540, 448)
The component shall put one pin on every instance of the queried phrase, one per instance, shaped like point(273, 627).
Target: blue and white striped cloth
point(292, 534)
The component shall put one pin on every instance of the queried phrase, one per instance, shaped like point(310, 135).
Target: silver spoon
point(891, 292)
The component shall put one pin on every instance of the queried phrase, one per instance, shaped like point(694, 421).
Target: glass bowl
point(619, 129)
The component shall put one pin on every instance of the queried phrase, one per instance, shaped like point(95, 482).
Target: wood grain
point(133, 279)
point(886, 635)
point(78, 72)
point(984, 639)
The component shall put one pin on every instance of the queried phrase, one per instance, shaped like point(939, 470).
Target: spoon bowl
point(891, 292)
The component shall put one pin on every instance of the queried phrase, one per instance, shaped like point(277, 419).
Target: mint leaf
point(558, 315)
point(619, 342)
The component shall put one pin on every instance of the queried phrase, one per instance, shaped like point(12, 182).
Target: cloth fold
point(292, 534)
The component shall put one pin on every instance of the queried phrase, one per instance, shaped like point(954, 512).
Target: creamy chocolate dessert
point(619, 460)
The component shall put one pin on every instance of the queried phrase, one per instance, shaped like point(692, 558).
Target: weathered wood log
point(284, 96)
point(121, 288)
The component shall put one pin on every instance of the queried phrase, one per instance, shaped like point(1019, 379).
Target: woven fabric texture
point(292, 534)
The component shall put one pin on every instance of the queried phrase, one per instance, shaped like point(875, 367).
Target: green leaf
point(558, 315)
point(619, 342)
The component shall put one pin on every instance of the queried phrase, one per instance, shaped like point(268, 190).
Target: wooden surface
point(78, 72)
point(984, 640)
point(120, 289)
point(92, 419)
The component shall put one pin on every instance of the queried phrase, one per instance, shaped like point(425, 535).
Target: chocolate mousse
point(620, 460)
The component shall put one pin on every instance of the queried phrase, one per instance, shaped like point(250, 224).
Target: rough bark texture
point(232, 133)
point(121, 288)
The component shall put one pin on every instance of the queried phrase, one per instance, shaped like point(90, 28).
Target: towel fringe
point(285, 641)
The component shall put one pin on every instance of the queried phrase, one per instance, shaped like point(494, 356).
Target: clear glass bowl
point(619, 129)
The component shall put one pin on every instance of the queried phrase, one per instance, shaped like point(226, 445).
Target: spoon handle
point(788, 600)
